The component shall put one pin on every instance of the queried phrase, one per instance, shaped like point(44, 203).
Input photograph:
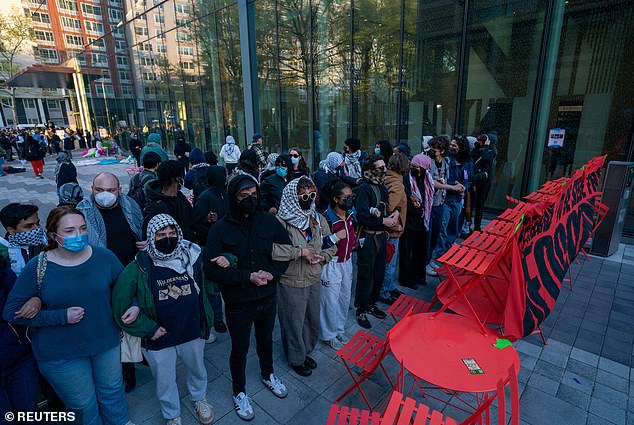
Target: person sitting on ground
point(166, 280)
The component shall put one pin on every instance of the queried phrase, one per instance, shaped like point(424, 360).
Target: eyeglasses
point(307, 196)
point(294, 155)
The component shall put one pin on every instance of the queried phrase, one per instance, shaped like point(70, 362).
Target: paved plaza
point(583, 375)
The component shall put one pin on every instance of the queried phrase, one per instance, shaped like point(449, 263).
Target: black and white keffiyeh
point(353, 164)
point(290, 211)
point(184, 256)
point(33, 237)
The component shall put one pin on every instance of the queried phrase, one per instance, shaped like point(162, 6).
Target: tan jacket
point(301, 274)
point(397, 200)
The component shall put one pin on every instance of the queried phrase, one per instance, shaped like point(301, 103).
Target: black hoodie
point(213, 199)
point(251, 240)
point(272, 185)
point(177, 206)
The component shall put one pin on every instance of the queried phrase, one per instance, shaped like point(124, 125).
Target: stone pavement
point(582, 376)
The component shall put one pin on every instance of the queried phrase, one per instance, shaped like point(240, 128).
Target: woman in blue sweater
point(75, 339)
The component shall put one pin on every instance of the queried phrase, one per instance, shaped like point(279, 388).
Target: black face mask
point(305, 205)
point(248, 205)
point(347, 204)
point(166, 245)
point(414, 172)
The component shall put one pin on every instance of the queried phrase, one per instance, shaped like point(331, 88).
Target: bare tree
point(15, 37)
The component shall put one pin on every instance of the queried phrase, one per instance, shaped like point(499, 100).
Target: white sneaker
point(204, 412)
point(275, 385)
point(343, 338)
point(430, 270)
point(242, 404)
point(212, 338)
point(175, 421)
point(334, 343)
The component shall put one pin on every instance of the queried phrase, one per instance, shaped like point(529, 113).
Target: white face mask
point(295, 161)
point(105, 199)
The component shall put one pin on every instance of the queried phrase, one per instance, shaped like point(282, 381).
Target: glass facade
point(310, 73)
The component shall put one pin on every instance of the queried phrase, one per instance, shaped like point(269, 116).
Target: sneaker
point(343, 338)
point(220, 327)
point(242, 404)
point(430, 270)
point(302, 370)
point(175, 421)
point(335, 344)
point(362, 320)
point(275, 385)
point(204, 412)
point(211, 339)
point(377, 312)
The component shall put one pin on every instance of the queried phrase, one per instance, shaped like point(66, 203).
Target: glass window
point(70, 24)
point(97, 42)
point(74, 40)
point(44, 35)
point(115, 14)
point(90, 9)
point(159, 19)
point(141, 31)
point(46, 55)
point(120, 45)
point(504, 41)
point(122, 60)
point(182, 8)
point(70, 5)
point(94, 27)
point(41, 17)
point(29, 103)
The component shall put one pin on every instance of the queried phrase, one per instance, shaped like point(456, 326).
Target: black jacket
point(196, 180)
point(271, 191)
point(415, 219)
point(67, 174)
point(214, 199)
point(366, 198)
point(177, 206)
point(251, 240)
point(14, 346)
point(483, 157)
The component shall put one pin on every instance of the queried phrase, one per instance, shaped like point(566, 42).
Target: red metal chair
point(406, 304)
point(364, 351)
point(404, 411)
point(348, 416)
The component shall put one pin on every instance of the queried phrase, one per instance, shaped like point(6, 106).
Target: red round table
point(435, 350)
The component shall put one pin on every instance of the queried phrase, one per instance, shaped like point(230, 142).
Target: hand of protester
point(341, 234)
point(487, 142)
point(212, 217)
point(159, 333)
point(416, 203)
point(74, 315)
point(308, 254)
point(258, 279)
point(273, 211)
point(375, 212)
point(29, 309)
point(130, 315)
point(268, 276)
point(221, 261)
point(391, 220)
point(140, 245)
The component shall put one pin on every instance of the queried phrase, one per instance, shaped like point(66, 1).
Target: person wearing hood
point(65, 171)
point(114, 222)
point(154, 145)
point(353, 157)
point(136, 145)
point(196, 177)
point(331, 168)
point(230, 154)
point(298, 294)
point(69, 194)
point(269, 168)
point(483, 155)
point(164, 196)
point(248, 165)
point(69, 144)
point(182, 151)
point(136, 188)
point(249, 289)
point(371, 205)
point(211, 206)
point(272, 186)
point(414, 243)
point(402, 148)
point(161, 283)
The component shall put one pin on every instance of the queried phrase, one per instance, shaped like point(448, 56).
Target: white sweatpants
point(163, 366)
point(336, 289)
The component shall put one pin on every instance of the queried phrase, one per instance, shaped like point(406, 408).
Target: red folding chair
point(349, 416)
point(404, 411)
point(364, 351)
point(406, 304)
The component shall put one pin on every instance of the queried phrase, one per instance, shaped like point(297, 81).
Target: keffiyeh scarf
point(290, 211)
point(31, 238)
point(332, 162)
point(184, 256)
point(423, 161)
point(353, 164)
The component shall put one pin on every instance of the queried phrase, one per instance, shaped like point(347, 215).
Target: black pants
point(240, 318)
point(371, 261)
point(413, 247)
point(481, 193)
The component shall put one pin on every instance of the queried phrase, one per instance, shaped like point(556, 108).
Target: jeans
point(18, 387)
point(215, 300)
point(390, 270)
point(370, 270)
point(240, 318)
point(452, 210)
point(89, 384)
point(439, 220)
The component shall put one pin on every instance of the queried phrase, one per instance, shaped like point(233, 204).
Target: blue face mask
point(377, 151)
point(76, 243)
point(281, 171)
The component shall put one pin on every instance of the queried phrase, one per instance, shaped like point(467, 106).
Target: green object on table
point(502, 343)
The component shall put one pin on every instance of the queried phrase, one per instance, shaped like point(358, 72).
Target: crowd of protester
point(150, 276)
